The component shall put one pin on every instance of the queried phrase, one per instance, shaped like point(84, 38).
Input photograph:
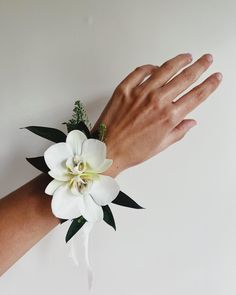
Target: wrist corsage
point(75, 163)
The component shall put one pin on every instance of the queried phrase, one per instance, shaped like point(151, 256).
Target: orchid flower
point(78, 187)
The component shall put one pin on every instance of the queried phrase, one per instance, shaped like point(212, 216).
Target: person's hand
point(142, 117)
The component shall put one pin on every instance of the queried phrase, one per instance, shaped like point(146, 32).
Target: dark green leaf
point(39, 163)
point(52, 134)
point(75, 226)
point(108, 216)
point(95, 134)
point(79, 126)
point(62, 220)
point(124, 200)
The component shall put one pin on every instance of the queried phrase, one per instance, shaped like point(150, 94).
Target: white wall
point(52, 52)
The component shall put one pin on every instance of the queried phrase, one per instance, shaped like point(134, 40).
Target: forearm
point(26, 218)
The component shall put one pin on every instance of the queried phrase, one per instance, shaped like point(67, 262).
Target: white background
point(53, 52)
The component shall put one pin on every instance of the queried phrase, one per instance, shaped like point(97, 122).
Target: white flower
point(78, 188)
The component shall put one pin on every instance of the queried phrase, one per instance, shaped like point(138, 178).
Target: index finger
point(137, 76)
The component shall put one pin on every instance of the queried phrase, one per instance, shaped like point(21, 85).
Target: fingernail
point(219, 76)
point(209, 57)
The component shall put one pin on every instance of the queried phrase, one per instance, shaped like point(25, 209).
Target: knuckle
point(168, 66)
point(203, 62)
point(135, 93)
point(169, 121)
point(143, 67)
point(139, 68)
point(181, 136)
point(184, 58)
point(121, 89)
point(173, 113)
point(138, 92)
point(200, 92)
point(163, 94)
point(146, 69)
point(152, 95)
point(141, 91)
point(169, 116)
point(154, 101)
point(154, 70)
point(188, 75)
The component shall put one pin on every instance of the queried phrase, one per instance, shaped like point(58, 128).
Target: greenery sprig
point(79, 115)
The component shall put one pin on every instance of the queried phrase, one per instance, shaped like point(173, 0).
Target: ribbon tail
point(72, 253)
point(88, 226)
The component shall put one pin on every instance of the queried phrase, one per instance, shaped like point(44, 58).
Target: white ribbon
point(87, 227)
point(72, 253)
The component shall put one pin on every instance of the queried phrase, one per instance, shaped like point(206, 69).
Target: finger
point(165, 72)
point(186, 78)
point(179, 131)
point(197, 95)
point(137, 76)
point(182, 128)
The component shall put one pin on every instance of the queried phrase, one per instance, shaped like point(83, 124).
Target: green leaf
point(95, 134)
point(79, 126)
point(39, 163)
point(52, 134)
point(123, 200)
point(100, 132)
point(75, 226)
point(79, 114)
point(63, 220)
point(108, 216)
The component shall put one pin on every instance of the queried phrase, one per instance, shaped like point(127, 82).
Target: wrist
point(116, 168)
point(112, 153)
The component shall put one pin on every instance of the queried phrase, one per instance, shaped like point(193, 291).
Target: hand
point(142, 117)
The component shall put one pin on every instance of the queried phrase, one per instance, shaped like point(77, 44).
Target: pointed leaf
point(52, 134)
point(39, 163)
point(108, 216)
point(123, 200)
point(79, 126)
point(75, 227)
point(63, 220)
point(95, 134)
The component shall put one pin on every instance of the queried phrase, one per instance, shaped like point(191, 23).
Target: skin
point(142, 117)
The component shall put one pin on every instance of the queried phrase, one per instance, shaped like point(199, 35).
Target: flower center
point(80, 174)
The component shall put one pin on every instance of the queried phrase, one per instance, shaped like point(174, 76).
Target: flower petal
point(64, 204)
point(104, 190)
point(56, 155)
point(90, 210)
point(59, 174)
point(53, 186)
point(75, 188)
point(104, 166)
point(74, 140)
point(94, 152)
